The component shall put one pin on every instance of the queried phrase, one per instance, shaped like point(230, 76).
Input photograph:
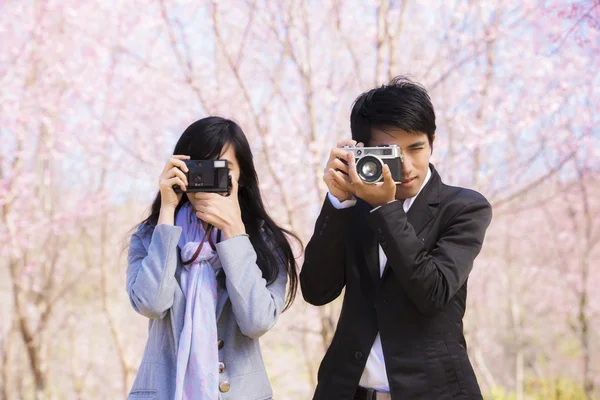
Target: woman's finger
point(176, 181)
point(234, 187)
point(179, 164)
point(177, 172)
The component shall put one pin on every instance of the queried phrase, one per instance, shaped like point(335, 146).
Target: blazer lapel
point(367, 243)
point(222, 297)
point(178, 308)
point(425, 205)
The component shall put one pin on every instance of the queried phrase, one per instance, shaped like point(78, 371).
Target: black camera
point(207, 176)
point(370, 161)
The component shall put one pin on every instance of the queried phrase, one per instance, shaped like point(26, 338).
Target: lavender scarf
point(197, 354)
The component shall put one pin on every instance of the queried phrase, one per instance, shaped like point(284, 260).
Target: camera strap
point(207, 235)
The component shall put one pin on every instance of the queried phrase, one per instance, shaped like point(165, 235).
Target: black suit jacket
point(417, 305)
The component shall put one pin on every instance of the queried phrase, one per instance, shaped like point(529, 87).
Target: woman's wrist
point(166, 215)
point(233, 230)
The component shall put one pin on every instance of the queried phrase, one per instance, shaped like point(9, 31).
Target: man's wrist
point(336, 203)
point(381, 203)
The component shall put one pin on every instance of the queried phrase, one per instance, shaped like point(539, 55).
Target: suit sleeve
point(322, 277)
point(432, 279)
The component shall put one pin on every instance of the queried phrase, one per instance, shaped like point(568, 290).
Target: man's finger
point(337, 153)
point(387, 177)
point(337, 164)
point(346, 142)
point(354, 178)
point(340, 181)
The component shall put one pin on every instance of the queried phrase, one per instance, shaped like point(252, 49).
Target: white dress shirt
point(374, 375)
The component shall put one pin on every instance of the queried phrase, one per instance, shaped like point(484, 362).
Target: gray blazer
point(246, 309)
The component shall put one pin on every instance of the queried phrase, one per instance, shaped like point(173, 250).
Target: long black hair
point(206, 139)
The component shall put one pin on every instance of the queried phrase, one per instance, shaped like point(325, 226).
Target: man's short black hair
point(401, 103)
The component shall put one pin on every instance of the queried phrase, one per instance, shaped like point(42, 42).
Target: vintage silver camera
point(370, 161)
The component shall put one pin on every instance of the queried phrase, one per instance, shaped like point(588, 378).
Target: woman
point(209, 296)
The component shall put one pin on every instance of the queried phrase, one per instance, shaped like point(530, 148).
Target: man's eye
point(417, 148)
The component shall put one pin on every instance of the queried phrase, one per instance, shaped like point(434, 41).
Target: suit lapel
point(424, 207)
point(367, 242)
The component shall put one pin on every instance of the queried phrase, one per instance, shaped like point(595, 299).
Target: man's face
point(416, 151)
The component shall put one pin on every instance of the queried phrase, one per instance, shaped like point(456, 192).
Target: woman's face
point(234, 169)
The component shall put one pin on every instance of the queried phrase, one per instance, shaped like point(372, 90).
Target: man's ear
point(431, 143)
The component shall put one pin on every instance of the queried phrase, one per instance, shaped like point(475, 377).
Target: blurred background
point(94, 94)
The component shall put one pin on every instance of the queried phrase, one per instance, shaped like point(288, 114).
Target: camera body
point(370, 162)
point(207, 176)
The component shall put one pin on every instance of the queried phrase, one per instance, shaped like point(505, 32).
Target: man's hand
point(376, 194)
point(336, 170)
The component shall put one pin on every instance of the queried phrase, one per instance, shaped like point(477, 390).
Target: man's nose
point(406, 165)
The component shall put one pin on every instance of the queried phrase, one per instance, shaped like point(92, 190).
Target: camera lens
point(370, 169)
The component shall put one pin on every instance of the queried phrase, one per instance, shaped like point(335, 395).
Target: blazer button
point(322, 232)
point(358, 355)
point(327, 218)
point(220, 343)
point(325, 225)
point(224, 386)
point(221, 367)
point(379, 230)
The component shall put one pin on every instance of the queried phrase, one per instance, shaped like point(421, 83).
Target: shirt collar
point(408, 202)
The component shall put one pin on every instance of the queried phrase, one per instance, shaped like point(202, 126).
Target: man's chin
point(404, 193)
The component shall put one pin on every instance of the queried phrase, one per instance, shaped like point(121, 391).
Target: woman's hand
point(173, 174)
point(222, 212)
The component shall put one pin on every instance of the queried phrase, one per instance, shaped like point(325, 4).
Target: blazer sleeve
point(151, 266)
point(323, 276)
point(431, 279)
point(256, 305)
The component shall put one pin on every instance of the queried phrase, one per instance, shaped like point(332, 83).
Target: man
point(403, 251)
